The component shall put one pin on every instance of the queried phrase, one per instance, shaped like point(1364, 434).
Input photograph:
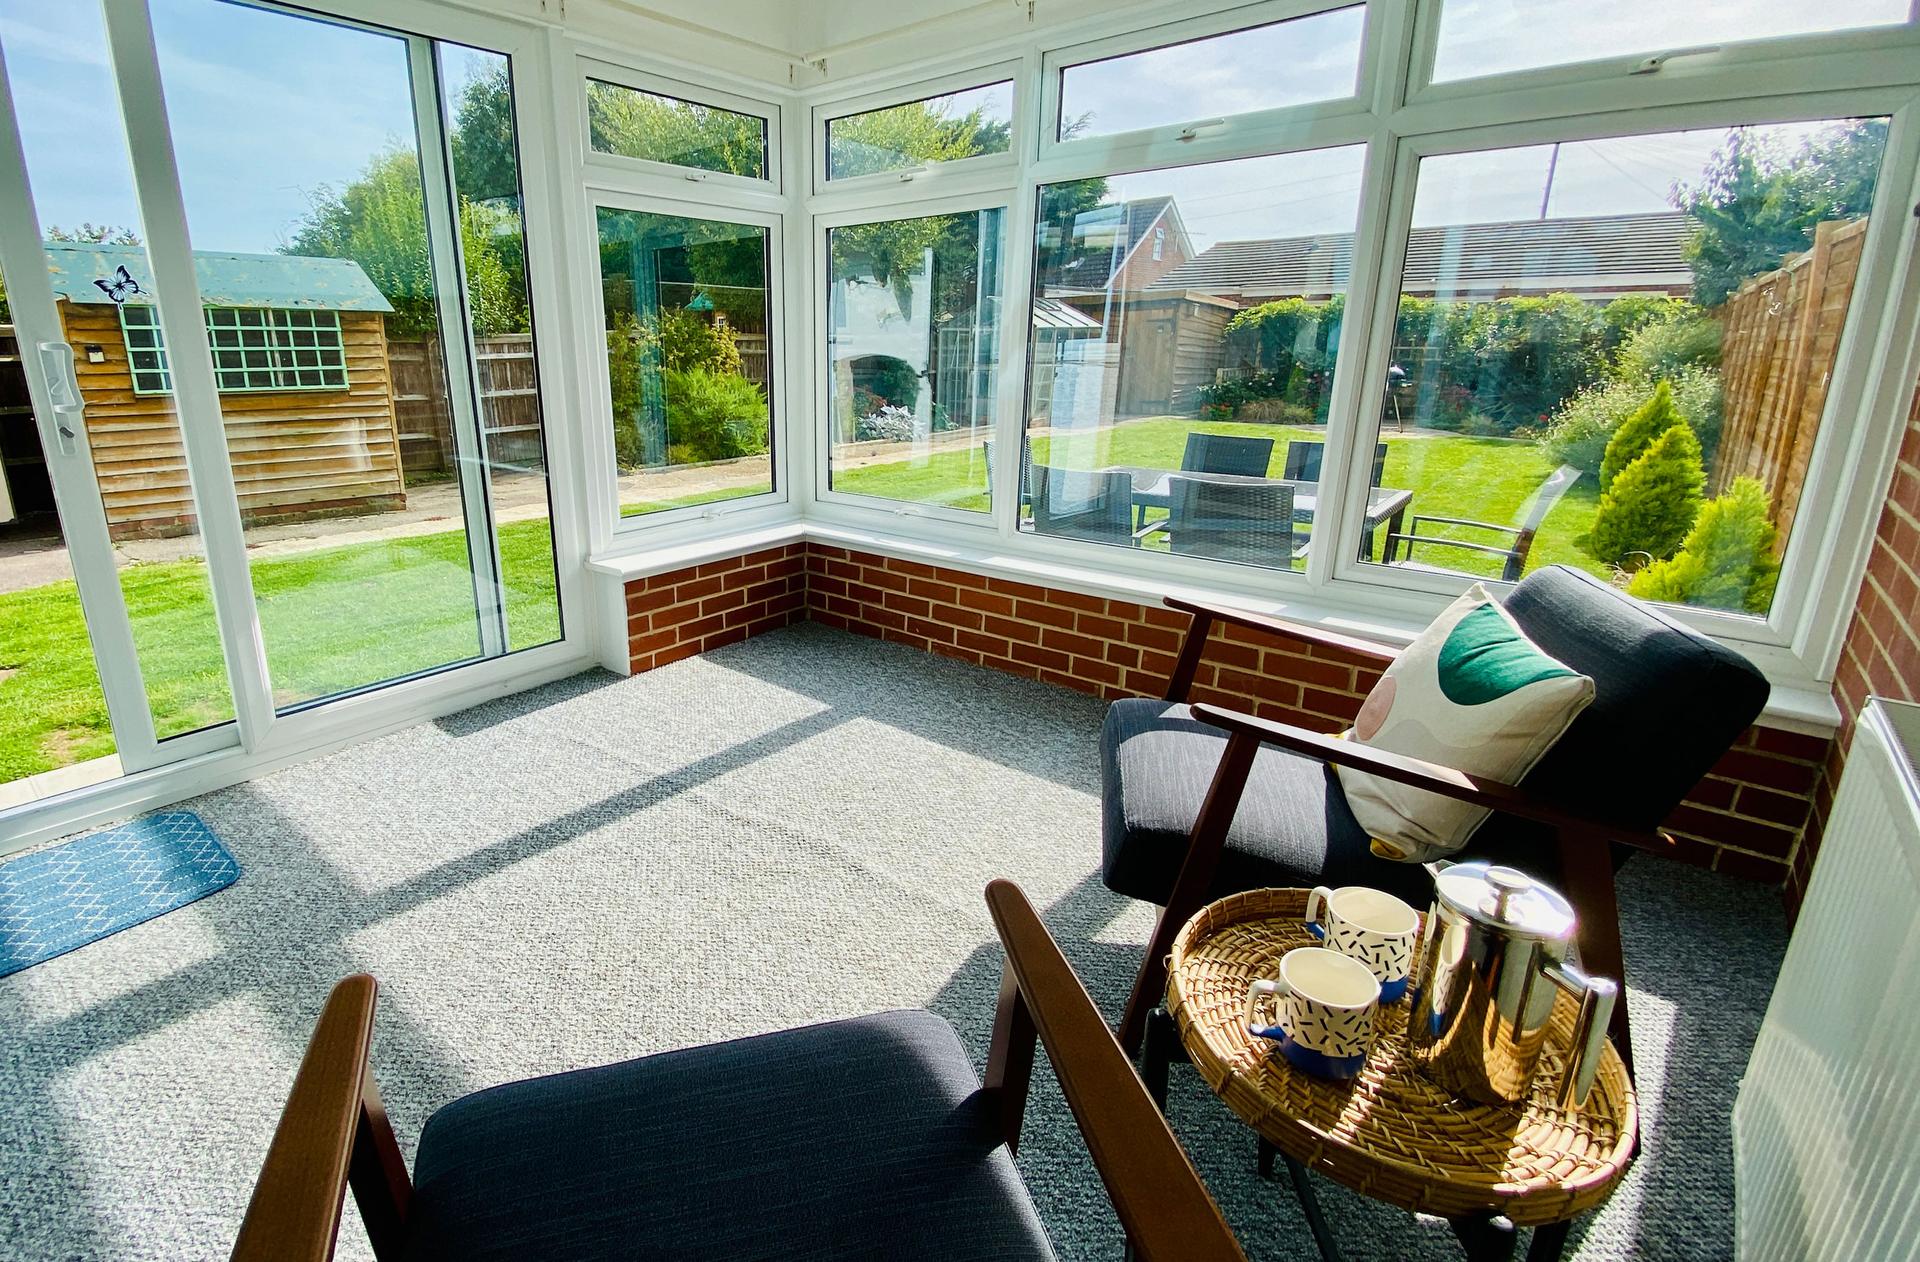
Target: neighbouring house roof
point(1101, 241)
point(226, 280)
point(1608, 252)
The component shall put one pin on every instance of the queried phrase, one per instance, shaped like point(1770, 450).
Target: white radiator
point(1826, 1129)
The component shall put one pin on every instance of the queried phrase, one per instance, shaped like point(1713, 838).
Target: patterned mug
point(1325, 1003)
point(1370, 925)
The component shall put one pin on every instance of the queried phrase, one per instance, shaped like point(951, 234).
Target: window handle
point(1194, 131)
point(63, 388)
point(1657, 62)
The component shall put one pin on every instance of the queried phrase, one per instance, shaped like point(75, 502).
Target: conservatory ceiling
point(810, 31)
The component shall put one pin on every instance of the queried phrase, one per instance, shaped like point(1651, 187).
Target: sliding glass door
point(267, 278)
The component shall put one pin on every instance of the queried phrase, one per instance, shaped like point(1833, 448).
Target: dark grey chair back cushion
point(1668, 702)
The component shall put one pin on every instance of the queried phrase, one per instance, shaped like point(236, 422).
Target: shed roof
point(1610, 251)
point(226, 280)
point(1051, 313)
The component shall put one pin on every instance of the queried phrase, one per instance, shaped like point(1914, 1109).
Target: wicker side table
point(1391, 1133)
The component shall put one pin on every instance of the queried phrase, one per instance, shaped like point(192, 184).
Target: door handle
point(63, 389)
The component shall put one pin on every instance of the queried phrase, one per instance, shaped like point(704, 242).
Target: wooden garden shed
point(300, 358)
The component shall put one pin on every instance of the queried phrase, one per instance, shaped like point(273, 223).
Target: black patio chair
point(1227, 453)
point(1250, 522)
point(1513, 553)
point(1092, 504)
point(1304, 455)
point(865, 1138)
point(1199, 802)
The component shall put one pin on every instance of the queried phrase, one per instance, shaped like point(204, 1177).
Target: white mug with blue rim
point(1371, 926)
point(1324, 1007)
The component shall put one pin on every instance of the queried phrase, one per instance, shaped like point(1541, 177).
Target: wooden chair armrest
point(332, 1130)
point(1205, 614)
point(1163, 1205)
point(1429, 776)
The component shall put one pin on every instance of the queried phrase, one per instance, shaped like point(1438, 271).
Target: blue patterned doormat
point(61, 898)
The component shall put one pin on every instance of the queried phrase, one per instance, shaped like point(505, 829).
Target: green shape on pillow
point(1485, 657)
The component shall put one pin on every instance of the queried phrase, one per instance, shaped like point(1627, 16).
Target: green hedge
point(1486, 367)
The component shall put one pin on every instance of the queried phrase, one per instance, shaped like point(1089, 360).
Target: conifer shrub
point(1727, 560)
point(1646, 513)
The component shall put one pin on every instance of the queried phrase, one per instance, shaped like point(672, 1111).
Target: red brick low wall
point(1745, 818)
point(1881, 654)
point(678, 614)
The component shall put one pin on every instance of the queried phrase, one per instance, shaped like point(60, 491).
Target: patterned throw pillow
point(1472, 693)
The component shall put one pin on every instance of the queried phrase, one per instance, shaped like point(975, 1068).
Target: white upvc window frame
point(590, 67)
point(931, 178)
point(1758, 61)
point(1237, 133)
point(264, 737)
point(819, 292)
point(594, 366)
point(590, 178)
point(1798, 643)
point(1780, 640)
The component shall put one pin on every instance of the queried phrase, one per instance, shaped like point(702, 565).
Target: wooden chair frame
point(1584, 843)
point(334, 1134)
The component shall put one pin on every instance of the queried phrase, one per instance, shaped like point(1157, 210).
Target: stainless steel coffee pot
point(1492, 958)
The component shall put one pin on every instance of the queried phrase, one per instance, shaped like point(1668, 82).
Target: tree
point(643, 125)
point(94, 234)
point(379, 221)
point(909, 135)
point(1637, 433)
point(1757, 203)
point(485, 161)
point(1652, 503)
point(1727, 560)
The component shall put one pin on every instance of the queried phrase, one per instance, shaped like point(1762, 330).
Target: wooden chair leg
point(1189, 893)
point(1587, 871)
point(1010, 1058)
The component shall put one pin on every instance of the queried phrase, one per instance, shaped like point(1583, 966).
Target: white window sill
point(1804, 706)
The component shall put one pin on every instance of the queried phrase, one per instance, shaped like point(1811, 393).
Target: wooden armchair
point(866, 1138)
point(1201, 801)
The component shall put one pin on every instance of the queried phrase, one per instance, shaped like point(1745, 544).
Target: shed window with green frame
point(254, 349)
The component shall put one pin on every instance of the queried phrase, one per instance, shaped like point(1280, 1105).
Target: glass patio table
point(1152, 488)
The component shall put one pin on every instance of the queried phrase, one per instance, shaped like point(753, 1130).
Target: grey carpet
point(788, 830)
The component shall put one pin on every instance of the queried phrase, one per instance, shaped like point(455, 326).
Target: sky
point(268, 109)
point(1213, 78)
point(1488, 36)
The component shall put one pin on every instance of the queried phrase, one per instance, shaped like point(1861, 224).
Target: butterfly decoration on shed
point(121, 287)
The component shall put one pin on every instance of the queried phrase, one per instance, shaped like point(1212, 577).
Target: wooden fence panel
point(1780, 338)
point(509, 403)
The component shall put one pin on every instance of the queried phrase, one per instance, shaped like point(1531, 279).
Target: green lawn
point(340, 618)
point(333, 619)
point(759, 486)
point(1484, 479)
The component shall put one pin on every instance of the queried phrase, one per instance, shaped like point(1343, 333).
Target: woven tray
point(1391, 1133)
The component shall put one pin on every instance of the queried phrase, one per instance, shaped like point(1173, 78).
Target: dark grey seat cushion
point(1293, 826)
point(856, 1139)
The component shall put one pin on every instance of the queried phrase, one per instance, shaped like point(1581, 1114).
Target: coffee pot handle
point(1597, 995)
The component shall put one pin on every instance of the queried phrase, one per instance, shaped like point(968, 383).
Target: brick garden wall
point(1745, 818)
point(1881, 654)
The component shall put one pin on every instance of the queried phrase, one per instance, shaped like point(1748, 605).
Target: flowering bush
point(888, 425)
